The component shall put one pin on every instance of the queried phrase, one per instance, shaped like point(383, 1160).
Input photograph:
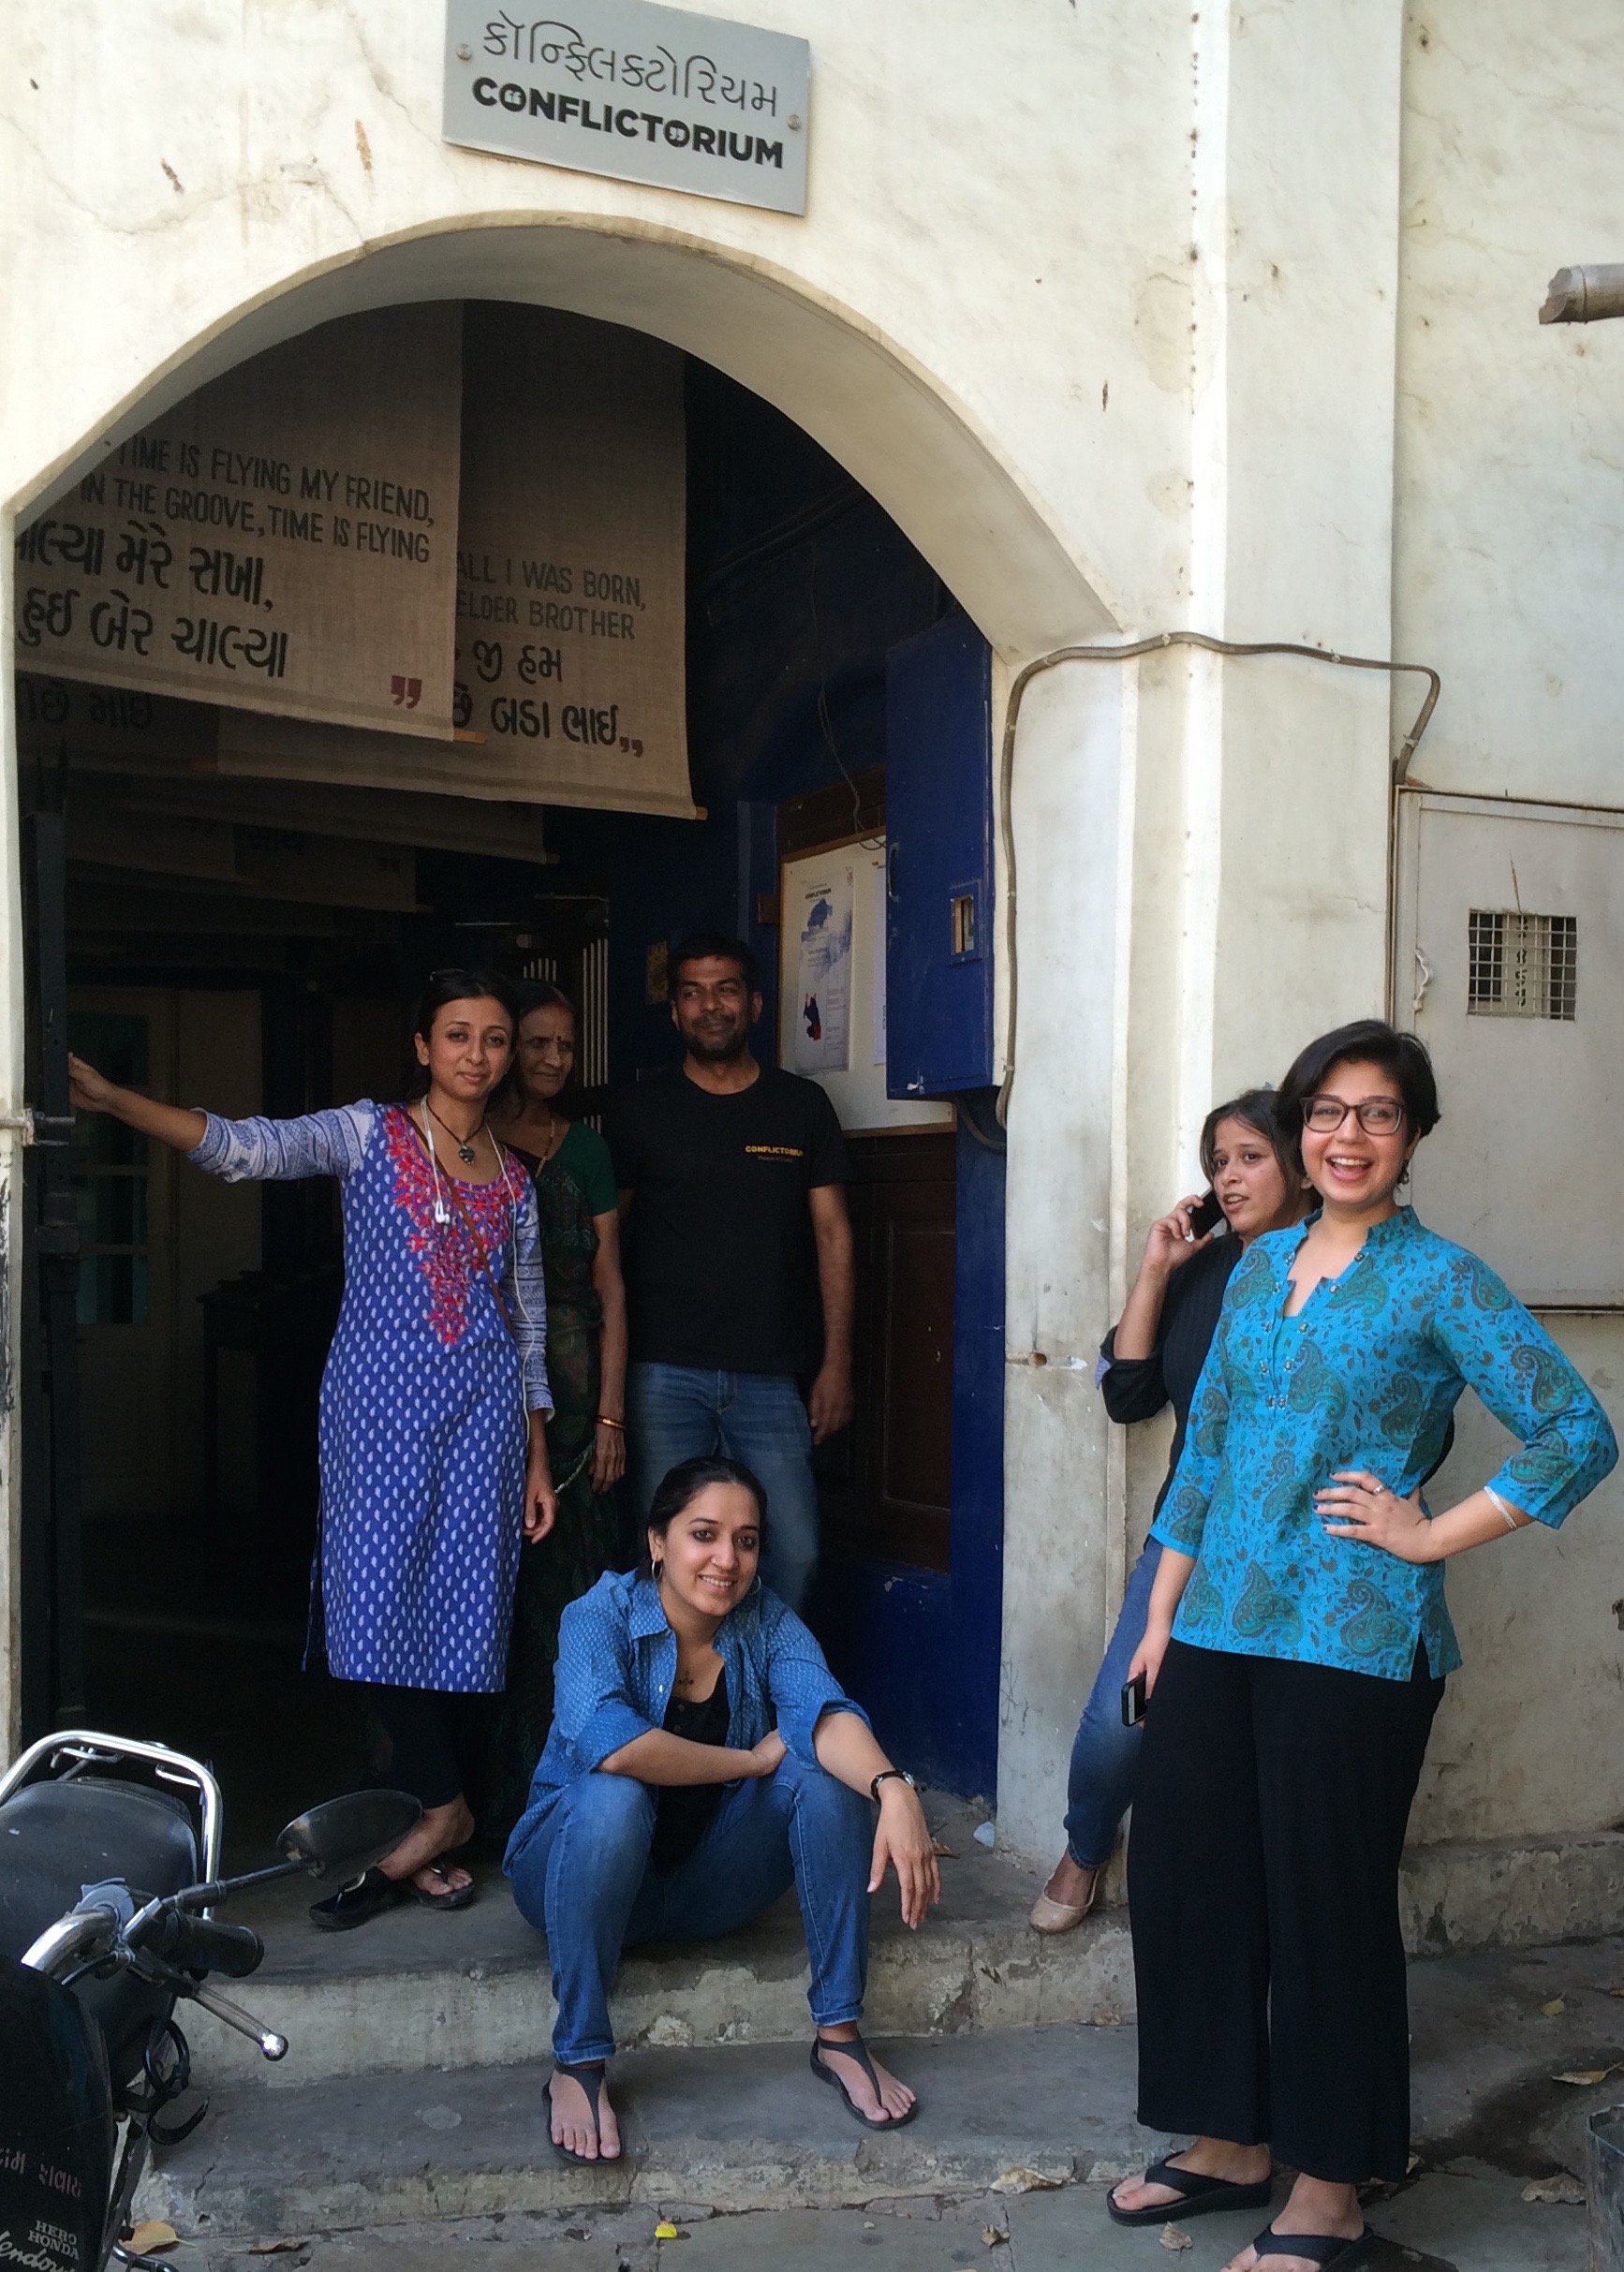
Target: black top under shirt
point(720, 1262)
point(684, 1811)
point(1137, 1388)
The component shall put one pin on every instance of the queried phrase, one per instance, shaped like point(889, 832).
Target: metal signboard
point(638, 92)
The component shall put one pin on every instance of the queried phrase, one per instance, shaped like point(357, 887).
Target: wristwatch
point(890, 1775)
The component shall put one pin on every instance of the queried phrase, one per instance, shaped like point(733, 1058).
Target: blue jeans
point(683, 1412)
point(583, 1880)
point(1105, 1755)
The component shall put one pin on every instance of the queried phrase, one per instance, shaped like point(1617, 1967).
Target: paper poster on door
point(823, 1029)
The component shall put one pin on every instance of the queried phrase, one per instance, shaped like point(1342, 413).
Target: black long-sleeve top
point(1137, 1388)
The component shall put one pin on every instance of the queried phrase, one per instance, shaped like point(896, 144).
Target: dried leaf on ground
point(1563, 2189)
point(946, 1852)
point(273, 2248)
point(992, 2237)
point(1585, 2077)
point(1170, 2237)
point(1022, 2180)
point(1555, 2009)
point(153, 2234)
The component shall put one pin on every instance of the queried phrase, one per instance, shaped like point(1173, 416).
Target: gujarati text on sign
point(284, 540)
point(635, 90)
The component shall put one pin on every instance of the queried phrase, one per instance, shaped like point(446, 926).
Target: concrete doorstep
point(748, 2127)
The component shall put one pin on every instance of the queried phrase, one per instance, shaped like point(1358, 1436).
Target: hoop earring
point(657, 1570)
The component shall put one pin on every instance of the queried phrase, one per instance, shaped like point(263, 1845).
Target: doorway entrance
point(248, 943)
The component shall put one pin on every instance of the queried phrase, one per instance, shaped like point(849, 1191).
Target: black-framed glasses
point(1377, 1116)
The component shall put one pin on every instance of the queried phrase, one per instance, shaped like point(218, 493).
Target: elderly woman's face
point(546, 1051)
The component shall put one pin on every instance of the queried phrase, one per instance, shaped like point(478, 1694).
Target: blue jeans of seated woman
point(1105, 1755)
point(584, 1881)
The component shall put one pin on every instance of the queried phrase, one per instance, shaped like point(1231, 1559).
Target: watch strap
point(889, 1775)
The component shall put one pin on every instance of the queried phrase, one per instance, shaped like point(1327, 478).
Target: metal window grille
point(1521, 965)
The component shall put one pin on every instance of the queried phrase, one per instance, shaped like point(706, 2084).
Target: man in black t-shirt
point(731, 1181)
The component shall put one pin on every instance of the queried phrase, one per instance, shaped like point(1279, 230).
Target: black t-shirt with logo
point(720, 1263)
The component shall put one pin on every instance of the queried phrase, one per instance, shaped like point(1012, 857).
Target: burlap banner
point(282, 540)
point(570, 596)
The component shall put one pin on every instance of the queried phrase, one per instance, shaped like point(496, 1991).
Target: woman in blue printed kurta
point(433, 1456)
point(1296, 1648)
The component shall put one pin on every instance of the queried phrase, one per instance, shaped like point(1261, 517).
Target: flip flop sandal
point(1197, 2195)
point(357, 1903)
point(589, 2075)
point(1322, 2248)
point(455, 1897)
point(858, 2050)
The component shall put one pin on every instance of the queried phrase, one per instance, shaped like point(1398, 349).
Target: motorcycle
point(110, 1855)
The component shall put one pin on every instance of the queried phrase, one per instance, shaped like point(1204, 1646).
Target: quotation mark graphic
point(405, 693)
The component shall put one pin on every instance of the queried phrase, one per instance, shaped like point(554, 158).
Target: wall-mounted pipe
point(1585, 295)
point(1125, 653)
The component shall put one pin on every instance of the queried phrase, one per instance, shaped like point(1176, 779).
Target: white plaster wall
point(1509, 561)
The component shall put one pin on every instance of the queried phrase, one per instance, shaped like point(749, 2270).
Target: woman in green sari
point(575, 1196)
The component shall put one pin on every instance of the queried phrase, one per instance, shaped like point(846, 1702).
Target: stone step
point(748, 2127)
point(717, 2129)
point(413, 1990)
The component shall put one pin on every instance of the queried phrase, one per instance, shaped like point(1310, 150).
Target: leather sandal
point(858, 2050)
point(357, 1903)
point(589, 2075)
point(1322, 2249)
point(455, 1897)
point(1197, 2195)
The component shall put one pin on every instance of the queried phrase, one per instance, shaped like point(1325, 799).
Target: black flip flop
point(1322, 2248)
point(455, 1897)
point(589, 2075)
point(1197, 2195)
point(357, 1903)
point(858, 2050)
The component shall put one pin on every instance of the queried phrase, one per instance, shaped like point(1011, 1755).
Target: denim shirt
point(617, 1659)
point(1366, 1376)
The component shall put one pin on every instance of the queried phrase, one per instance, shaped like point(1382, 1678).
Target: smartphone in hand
point(1204, 1216)
point(1133, 1701)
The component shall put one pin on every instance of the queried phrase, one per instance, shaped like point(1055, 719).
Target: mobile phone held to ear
point(1133, 1701)
point(1205, 1216)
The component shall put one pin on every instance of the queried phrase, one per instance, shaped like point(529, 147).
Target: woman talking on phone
point(433, 1402)
point(1152, 1358)
point(1295, 1653)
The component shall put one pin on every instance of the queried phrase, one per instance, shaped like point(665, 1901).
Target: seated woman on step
point(703, 1758)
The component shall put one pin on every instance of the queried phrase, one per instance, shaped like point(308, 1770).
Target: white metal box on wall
point(1510, 966)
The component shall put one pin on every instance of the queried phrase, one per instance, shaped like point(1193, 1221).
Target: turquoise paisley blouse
point(1366, 1376)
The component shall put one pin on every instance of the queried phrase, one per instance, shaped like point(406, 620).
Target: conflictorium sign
point(643, 93)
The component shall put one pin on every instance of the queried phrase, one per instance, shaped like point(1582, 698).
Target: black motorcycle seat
point(57, 1837)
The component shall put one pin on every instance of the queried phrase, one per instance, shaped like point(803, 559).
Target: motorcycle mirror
point(340, 1838)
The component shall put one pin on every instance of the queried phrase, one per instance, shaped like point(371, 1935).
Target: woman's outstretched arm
point(847, 1749)
point(89, 1091)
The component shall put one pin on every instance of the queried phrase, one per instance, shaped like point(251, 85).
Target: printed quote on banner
point(264, 545)
point(552, 633)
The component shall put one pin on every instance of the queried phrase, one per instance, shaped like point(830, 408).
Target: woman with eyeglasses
point(569, 1166)
point(433, 1402)
point(1295, 1656)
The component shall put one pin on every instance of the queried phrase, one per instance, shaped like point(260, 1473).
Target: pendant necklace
point(465, 1143)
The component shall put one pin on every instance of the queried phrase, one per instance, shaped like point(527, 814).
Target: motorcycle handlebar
point(204, 1944)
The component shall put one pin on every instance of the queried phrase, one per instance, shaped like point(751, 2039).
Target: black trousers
point(432, 1739)
point(1262, 1877)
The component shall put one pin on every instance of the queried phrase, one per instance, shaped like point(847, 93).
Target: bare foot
point(893, 2098)
point(1206, 2158)
point(1315, 2206)
point(572, 2119)
point(440, 1829)
point(1071, 1884)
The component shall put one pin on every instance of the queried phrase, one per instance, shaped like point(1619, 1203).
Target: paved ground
point(1466, 2219)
